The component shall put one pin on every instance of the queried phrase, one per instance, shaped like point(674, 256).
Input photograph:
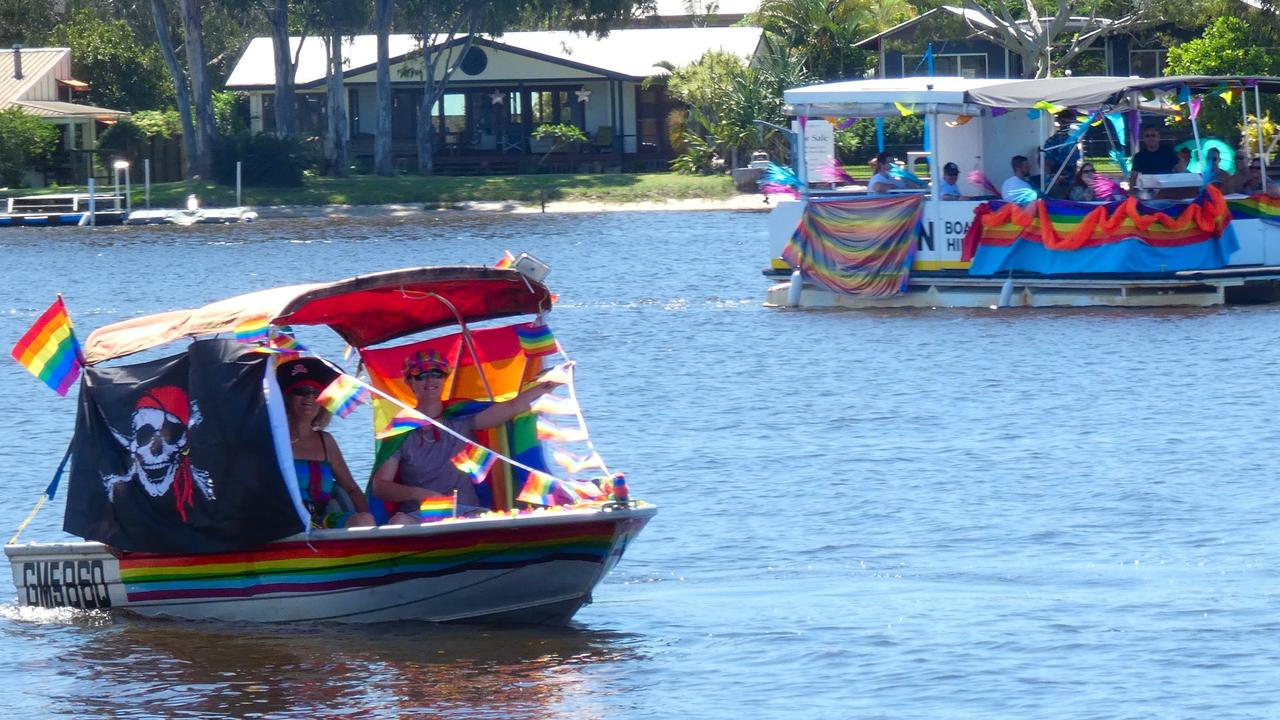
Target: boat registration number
point(66, 583)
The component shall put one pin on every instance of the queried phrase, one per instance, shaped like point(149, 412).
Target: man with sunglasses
point(1153, 158)
point(422, 466)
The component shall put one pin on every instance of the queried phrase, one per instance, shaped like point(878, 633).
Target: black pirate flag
point(176, 455)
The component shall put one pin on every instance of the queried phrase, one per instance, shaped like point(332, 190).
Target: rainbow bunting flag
point(538, 489)
point(536, 339)
point(344, 395)
point(432, 509)
point(284, 341)
point(474, 461)
point(49, 349)
point(552, 405)
point(506, 261)
point(549, 431)
point(559, 374)
point(257, 330)
point(404, 421)
point(574, 465)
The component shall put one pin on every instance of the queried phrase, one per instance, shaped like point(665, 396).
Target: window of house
point(312, 115)
point(1147, 63)
point(268, 112)
point(1088, 63)
point(555, 106)
point(966, 65)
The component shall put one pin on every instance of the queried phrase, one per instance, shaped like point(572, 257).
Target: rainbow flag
point(536, 339)
point(343, 395)
point(552, 405)
point(284, 341)
point(538, 489)
point(49, 349)
point(256, 330)
point(574, 465)
point(404, 421)
point(551, 431)
point(432, 509)
point(474, 461)
point(506, 261)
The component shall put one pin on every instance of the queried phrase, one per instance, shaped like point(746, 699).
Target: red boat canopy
point(364, 310)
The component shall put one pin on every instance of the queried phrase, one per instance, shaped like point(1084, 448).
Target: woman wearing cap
point(421, 467)
point(317, 461)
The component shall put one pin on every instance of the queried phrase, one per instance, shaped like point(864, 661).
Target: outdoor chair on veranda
point(603, 139)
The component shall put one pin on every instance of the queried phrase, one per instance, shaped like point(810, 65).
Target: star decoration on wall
point(583, 94)
point(497, 98)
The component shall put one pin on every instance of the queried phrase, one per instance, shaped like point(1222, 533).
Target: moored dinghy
point(184, 489)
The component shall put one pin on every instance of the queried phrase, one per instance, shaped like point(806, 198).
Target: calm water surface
point(958, 514)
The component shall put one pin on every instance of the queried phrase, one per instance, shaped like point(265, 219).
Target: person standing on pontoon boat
point(1153, 158)
point(1016, 187)
point(422, 467)
point(317, 461)
point(883, 181)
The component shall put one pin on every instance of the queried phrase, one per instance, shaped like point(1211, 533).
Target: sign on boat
point(183, 482)
point(1178, 240)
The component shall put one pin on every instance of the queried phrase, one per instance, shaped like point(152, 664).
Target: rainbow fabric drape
point(1255, 207)
point(1054, 237)
point(857, 247)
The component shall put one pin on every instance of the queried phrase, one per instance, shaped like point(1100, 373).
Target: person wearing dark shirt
point(1152, 159)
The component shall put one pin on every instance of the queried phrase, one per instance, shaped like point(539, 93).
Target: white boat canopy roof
point(965, 96)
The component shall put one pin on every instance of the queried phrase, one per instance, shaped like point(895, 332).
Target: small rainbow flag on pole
point(475, 461)
point(506, 261)
point(538, 489)
point(256, 330)
point(343, 395)
point(432, 509)
point(404, 421)
point(536, 339)
point(49, 349)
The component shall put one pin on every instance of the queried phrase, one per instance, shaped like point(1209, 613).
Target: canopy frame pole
point(1262, 153)
point(1244, 130)
point(1195, 132)
point(466, 339)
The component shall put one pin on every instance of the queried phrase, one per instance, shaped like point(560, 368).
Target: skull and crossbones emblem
point(157, 445)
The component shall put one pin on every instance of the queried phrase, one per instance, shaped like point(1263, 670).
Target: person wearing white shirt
point(1014, 189)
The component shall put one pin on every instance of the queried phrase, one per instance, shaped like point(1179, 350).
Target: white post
point(128, 194)
point(93, 203)
point(238, 183)
point(146, 178)
point(1262, 152)
point(115, 175)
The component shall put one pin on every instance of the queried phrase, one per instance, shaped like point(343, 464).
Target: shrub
point(267, 160)
point(26, 143)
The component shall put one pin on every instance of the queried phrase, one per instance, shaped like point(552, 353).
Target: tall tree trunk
point(160, 16)
point(339, 132)
point(206, 132)
point(382, 164)
point(426, 132)
point(286, 107)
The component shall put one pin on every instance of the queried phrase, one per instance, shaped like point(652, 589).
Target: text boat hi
point(914, 249)
point(182, 478)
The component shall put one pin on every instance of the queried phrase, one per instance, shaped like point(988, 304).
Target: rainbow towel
point(536, 339)
point(437, 508)
point(49, 349)
point(857, 247)
point(344, 395)
point(474, 461)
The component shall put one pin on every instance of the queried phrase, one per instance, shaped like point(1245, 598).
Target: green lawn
point(440, 190)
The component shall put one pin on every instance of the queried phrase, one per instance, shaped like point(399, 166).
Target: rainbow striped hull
point(535, 569)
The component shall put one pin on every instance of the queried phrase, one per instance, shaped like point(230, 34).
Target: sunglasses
point(305, 392)
point(437, 374)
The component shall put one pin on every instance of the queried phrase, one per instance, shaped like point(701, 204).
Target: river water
point(946, 514)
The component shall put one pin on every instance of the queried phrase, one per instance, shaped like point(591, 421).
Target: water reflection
point(160, 668)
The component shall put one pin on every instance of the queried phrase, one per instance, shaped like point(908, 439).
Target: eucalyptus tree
point(201, 89)
point(336, 20)
point(821, 34)
point(447, 28)
point(181, 86)
point(1049, 34)
point(382, 129)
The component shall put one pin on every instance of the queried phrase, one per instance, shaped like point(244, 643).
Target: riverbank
point(442, 191)
point(740, 202)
